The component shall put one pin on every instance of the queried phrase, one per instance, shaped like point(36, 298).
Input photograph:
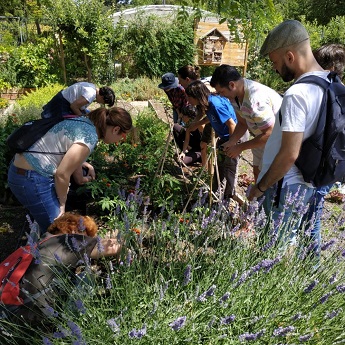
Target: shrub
point(138, 89)
point(201, 278)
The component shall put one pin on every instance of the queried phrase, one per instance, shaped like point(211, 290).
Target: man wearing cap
point(175, 93)
point(289, 50)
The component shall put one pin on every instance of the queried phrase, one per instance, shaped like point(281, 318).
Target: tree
point(85, 26)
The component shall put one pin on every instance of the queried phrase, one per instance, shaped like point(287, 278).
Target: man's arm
point(240, 129)
point(288, 153)
point(77, 104)
point(259, 141)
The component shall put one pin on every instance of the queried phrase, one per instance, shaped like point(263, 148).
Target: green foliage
point(121, 165)
point(31, 65)
point(151, 46)
point(4, 103)
point(198, 278)
point(138, 89)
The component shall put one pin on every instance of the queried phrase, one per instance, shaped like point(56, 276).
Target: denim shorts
point(36, 193)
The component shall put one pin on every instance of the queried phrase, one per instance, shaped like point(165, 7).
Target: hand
point(254, 193)
point(181, 156)
point(233, 151)
point(61, 211)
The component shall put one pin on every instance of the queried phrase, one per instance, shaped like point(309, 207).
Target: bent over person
point(256, 106)
point(75, 99)
point(70, 242)
point(39, 178)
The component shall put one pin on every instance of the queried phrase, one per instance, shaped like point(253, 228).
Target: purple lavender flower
point(333, 278)
point(111, 267)
point(80, 306)
point(76, 331)
point(227, 320)
point(187, 275)
point(332, 314)
point(311, 286)
point(81, 225)
point(57, 258)
point(282, 331)
point(137, 333)
point(211, 290)
point(75, 244)
point(202, 297)
point(108, 284)
point(296, 316)
point(178, 323)
point(50, 312)
point(340, 288)
point(208, 293)
point(224, 298)
point(325, 297)
point(328, 244)
point(113, 325)
point(234, 276)
point(46, 341)
point(306, 337)
point(251, 336)
point(129, 258)
point(100, 247)
point(59, 335)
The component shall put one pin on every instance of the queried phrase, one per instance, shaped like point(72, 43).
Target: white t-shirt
point(59, 139)
point(300, 112)
point(259, 107)
point(73, 92)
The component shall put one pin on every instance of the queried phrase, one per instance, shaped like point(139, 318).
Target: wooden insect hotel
point(217, 46)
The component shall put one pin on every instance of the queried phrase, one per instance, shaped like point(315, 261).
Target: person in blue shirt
point(219, 112)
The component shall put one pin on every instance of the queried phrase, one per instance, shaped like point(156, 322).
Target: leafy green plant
point(138, 89)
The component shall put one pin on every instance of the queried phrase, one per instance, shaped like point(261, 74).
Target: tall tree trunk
point(38, 27)
point(62, 59)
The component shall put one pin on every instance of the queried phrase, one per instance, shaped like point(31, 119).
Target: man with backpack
point(331, 57)
point(289, 50)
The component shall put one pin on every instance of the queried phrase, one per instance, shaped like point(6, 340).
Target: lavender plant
point(203, 278)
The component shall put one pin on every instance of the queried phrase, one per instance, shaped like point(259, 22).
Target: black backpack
point(22, 138)
point(322, 156)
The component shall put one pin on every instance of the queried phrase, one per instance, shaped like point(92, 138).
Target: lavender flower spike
point(227, 320)
point(311, 286)
point(251, 336)
point(306, 337)
point(282, 331)
point(113, 325)
point(178, 323)
point(187, 275)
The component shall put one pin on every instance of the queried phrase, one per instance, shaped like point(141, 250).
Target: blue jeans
point(288, 214)
point(36, 193)
point(315, 213)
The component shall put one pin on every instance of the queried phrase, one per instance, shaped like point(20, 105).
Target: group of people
point(277, 124)
point(40, 180)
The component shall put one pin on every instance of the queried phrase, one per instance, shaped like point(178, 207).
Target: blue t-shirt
point(219, 111)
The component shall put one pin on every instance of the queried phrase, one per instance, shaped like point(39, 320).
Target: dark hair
point(189, 111)
point(115, 116)
point(189, 71)
point(108, 95)
point(223, 74)
point(331, 56)
point(198, 90)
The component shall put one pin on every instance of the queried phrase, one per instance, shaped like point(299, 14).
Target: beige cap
point(285, 34)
